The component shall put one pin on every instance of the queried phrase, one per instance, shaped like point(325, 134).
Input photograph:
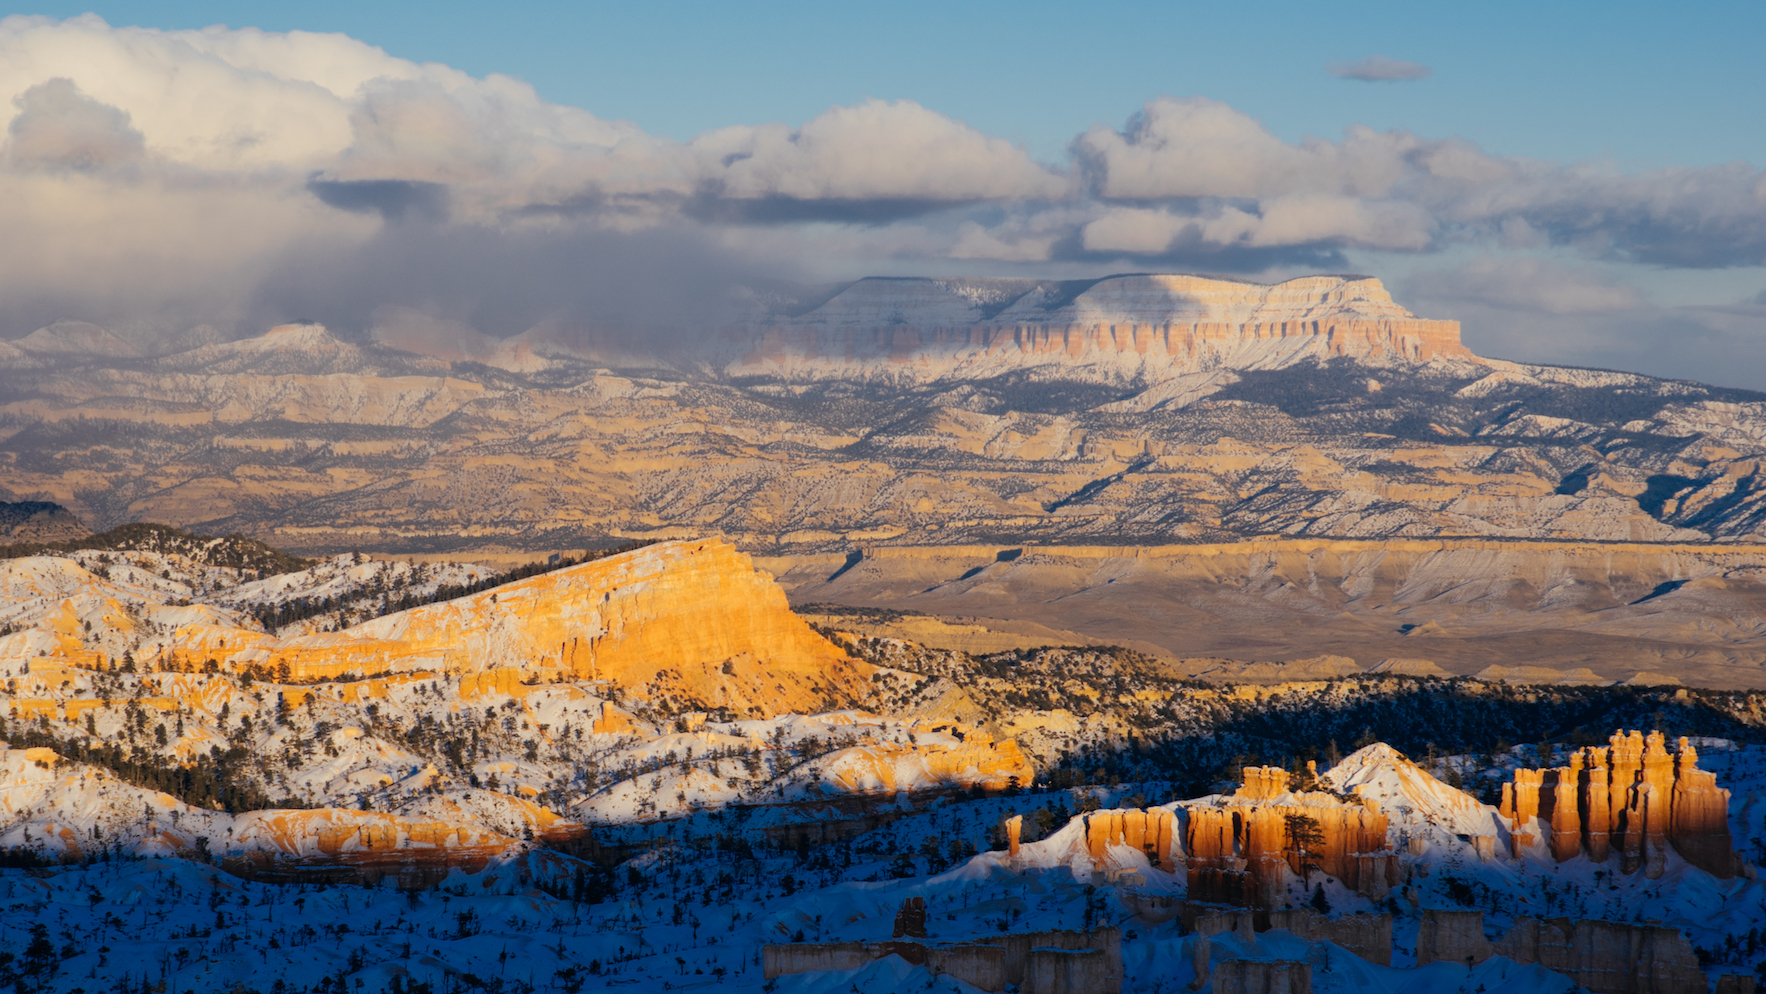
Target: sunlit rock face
point(1631, 797)
point(1242, 848)
point(1120, 329)
point(687, 622)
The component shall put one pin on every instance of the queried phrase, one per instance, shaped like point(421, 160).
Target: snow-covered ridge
point(1145, 328)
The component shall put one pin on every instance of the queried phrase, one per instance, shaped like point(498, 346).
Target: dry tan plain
point(1654, 613)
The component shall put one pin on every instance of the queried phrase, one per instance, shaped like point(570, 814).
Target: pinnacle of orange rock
point(1210, 835)
point(1151, 831)
point(1162, 854)
point(1241, 852)
point(1263, 782)
point(1566, 820)
point(691, 621)
point(1652, 803)
point(1658, 766)
point(1266, 851)
point(1698, 823)
point(910, 920)
point(1134, 829)
point(1096, 838)
point(1626, 823)
point(1014, 830)
point(1521, 798)
point(1634, 797)
point(1596, 838)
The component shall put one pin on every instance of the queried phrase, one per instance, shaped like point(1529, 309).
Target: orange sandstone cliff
point(690, 623)
point(1241, 848)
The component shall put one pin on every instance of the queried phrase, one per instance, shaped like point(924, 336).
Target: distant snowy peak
point(1137, 327)
point(1136, 298)
point(74, 338)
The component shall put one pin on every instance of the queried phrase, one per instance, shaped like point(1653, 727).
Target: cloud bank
point(155, 180)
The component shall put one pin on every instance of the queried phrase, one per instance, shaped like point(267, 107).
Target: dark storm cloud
point(392, 199)
point(711, 208)
point(592, 285)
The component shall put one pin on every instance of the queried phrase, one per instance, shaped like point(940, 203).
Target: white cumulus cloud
point(152, 180)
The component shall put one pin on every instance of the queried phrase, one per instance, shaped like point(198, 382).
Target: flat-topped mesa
point(1127, 328)
point(1633, 796)
point(1241, 848)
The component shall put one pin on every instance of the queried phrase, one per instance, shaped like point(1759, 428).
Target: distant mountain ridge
point(1131, 409)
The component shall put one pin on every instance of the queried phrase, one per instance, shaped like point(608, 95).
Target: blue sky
point(1644, 85)
point(1577, 183)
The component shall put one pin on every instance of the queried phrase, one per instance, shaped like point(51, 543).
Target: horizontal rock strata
point(1150, 326)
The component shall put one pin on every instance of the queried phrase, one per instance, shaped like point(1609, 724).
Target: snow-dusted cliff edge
point(1119, 329)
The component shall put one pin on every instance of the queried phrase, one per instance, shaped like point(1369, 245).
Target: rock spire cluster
point(1631, 798)
point(1242, 848)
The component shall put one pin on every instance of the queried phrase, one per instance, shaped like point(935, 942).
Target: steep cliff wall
point(1054, 962)
point(689, 622)
point(1601, 956)
point(1631, 796)
point(1118, 329)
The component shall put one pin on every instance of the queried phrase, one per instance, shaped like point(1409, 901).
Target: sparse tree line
point(235, 552)
point(385, 595)
point(1201, 739)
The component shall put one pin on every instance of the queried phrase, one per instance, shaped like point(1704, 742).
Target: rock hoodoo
point(1242, 848)
point(1151, 831)
point(1631, 797)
